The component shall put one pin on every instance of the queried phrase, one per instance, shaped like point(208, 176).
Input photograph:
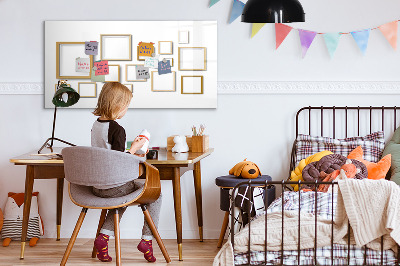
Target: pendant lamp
point(65, 96)
point(273, 11)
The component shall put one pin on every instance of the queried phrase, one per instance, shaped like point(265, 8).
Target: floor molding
point(258, 87)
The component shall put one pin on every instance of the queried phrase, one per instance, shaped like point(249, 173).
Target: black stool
point(226, 183)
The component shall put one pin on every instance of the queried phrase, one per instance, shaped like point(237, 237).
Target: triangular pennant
point(256, 27)
point(237, 9)
point(281, 31)
point(306, 39)
point(332, 41)
point(389, 30)
point(361, 37)
point(213, 2)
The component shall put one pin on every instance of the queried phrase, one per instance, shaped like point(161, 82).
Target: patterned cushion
point(372, 144)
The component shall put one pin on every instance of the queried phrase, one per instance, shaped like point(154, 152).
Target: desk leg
point(60, 190)
point(199, 204)
point(176, 182)
point(27, 206)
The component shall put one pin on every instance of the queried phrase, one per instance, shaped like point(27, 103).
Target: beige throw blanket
point(372, 206)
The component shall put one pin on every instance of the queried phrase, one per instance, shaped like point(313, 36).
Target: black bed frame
point(332, 112)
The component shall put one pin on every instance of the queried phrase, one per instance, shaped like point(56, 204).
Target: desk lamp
point(65, 96)
point(273, 11)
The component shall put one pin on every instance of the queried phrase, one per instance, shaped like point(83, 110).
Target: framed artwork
point(66, 55)
point(116, 47)
point(87, 89)
point(183, 36)
point(192, 84)
point(165, 47)
point(129, 86)
point(113, 75)
point(130, 73)
point(55, 86)
point(192, 58)
point(163, 83)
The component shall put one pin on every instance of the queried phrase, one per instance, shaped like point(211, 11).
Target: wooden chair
point(85, 167)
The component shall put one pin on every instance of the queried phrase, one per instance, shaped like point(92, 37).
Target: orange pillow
point(375, 170)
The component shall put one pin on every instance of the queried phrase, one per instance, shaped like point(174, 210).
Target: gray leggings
point(154, 208)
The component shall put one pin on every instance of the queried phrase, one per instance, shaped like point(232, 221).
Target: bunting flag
point(332, 41)
point(256, 27)
point(213, 2)
point(389, 30)
point(237, 9)
point(281, 31)
point(361, 37)
point(306, 39)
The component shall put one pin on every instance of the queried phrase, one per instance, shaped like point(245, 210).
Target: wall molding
point(259, 87)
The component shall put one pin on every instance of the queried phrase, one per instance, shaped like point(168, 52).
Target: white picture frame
point(116, 47)
point(114, 74)
point(87, 89)
point(183, 37)
point(192, 58)
point(192, 84)
point(163, 83)
point(130, 73)
point(129, 86)
point(165, 47)
point(66, 55)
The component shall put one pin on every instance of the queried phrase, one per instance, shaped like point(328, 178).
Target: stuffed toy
point(1, 219)
point(245, 169)
point(13, 215)
point(348, 170)
point(296, 174)
point(375, 170)
point(180, 144)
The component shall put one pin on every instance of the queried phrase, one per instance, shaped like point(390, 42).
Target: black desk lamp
point(65, 96)
point(273, 11)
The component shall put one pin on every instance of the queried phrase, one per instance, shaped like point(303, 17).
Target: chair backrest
point(91, 166)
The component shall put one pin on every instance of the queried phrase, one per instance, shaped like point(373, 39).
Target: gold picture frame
point(77, 52)
point(109, 75)
point(125, 38)
point(87, 83)
point(170, 59)
point(169, 50)
point(129, 86)
point(201, 84)
point(199, 63)
point(133, 80)
point(156, 78)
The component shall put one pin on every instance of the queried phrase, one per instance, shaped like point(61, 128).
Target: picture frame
point(129, 86)
point(165, 47)
point(183, 37)
point(130, 73)
point(116, 47)
point(87, 89)
point(192, 84)
point(192, 58)
point(66, 54)
point(171, 60)
point(163, 83)
point(114, 74)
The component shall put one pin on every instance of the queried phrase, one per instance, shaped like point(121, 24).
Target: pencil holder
point(200, 143)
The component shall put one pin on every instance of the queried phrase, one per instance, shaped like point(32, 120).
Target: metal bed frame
point(284, 184)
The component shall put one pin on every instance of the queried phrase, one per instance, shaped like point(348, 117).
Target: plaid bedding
point(322, 207)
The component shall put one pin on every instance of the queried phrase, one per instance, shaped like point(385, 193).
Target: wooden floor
point(50, 252)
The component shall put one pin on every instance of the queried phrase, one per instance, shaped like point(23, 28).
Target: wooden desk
point(171, 167)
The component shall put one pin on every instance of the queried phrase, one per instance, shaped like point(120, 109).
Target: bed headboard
point(344, 121)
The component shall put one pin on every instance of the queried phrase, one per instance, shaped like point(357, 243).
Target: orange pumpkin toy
point(245, 169)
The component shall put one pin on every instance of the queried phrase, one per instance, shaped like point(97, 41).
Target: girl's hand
point(142, 155)
point(137, 144)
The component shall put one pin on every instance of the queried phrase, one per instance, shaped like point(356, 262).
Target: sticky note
point(146, 49)
point(164, 67)
point(101, 67)
point(151, 62)
point(142, 72)
point(82, 65)
point(91, 48)
point(99, 78)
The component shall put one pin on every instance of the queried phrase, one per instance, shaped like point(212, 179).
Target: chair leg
point(73, 237)
point(223, 229)
point(154, 230)
point(101, 222)
point(117, 239)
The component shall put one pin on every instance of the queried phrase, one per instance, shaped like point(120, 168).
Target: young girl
point(113, 103)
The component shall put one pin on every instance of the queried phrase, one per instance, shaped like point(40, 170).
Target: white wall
point(259, 127)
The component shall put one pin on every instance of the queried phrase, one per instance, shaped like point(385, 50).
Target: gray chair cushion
point(84, 196)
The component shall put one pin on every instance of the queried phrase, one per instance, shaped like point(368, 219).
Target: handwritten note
point(82, 65)
point(101, 67)
point(164, 67)
point(142, 72)
point(151, 62)
point(94, 78)
point(146, 49)
point(91, 48)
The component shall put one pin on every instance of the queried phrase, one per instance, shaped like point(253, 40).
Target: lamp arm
point(54, 126)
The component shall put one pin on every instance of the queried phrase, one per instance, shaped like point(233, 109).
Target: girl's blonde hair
point(113, 98)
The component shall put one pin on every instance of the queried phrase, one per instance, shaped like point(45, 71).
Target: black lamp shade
point(65, 96)
point(273, 11)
